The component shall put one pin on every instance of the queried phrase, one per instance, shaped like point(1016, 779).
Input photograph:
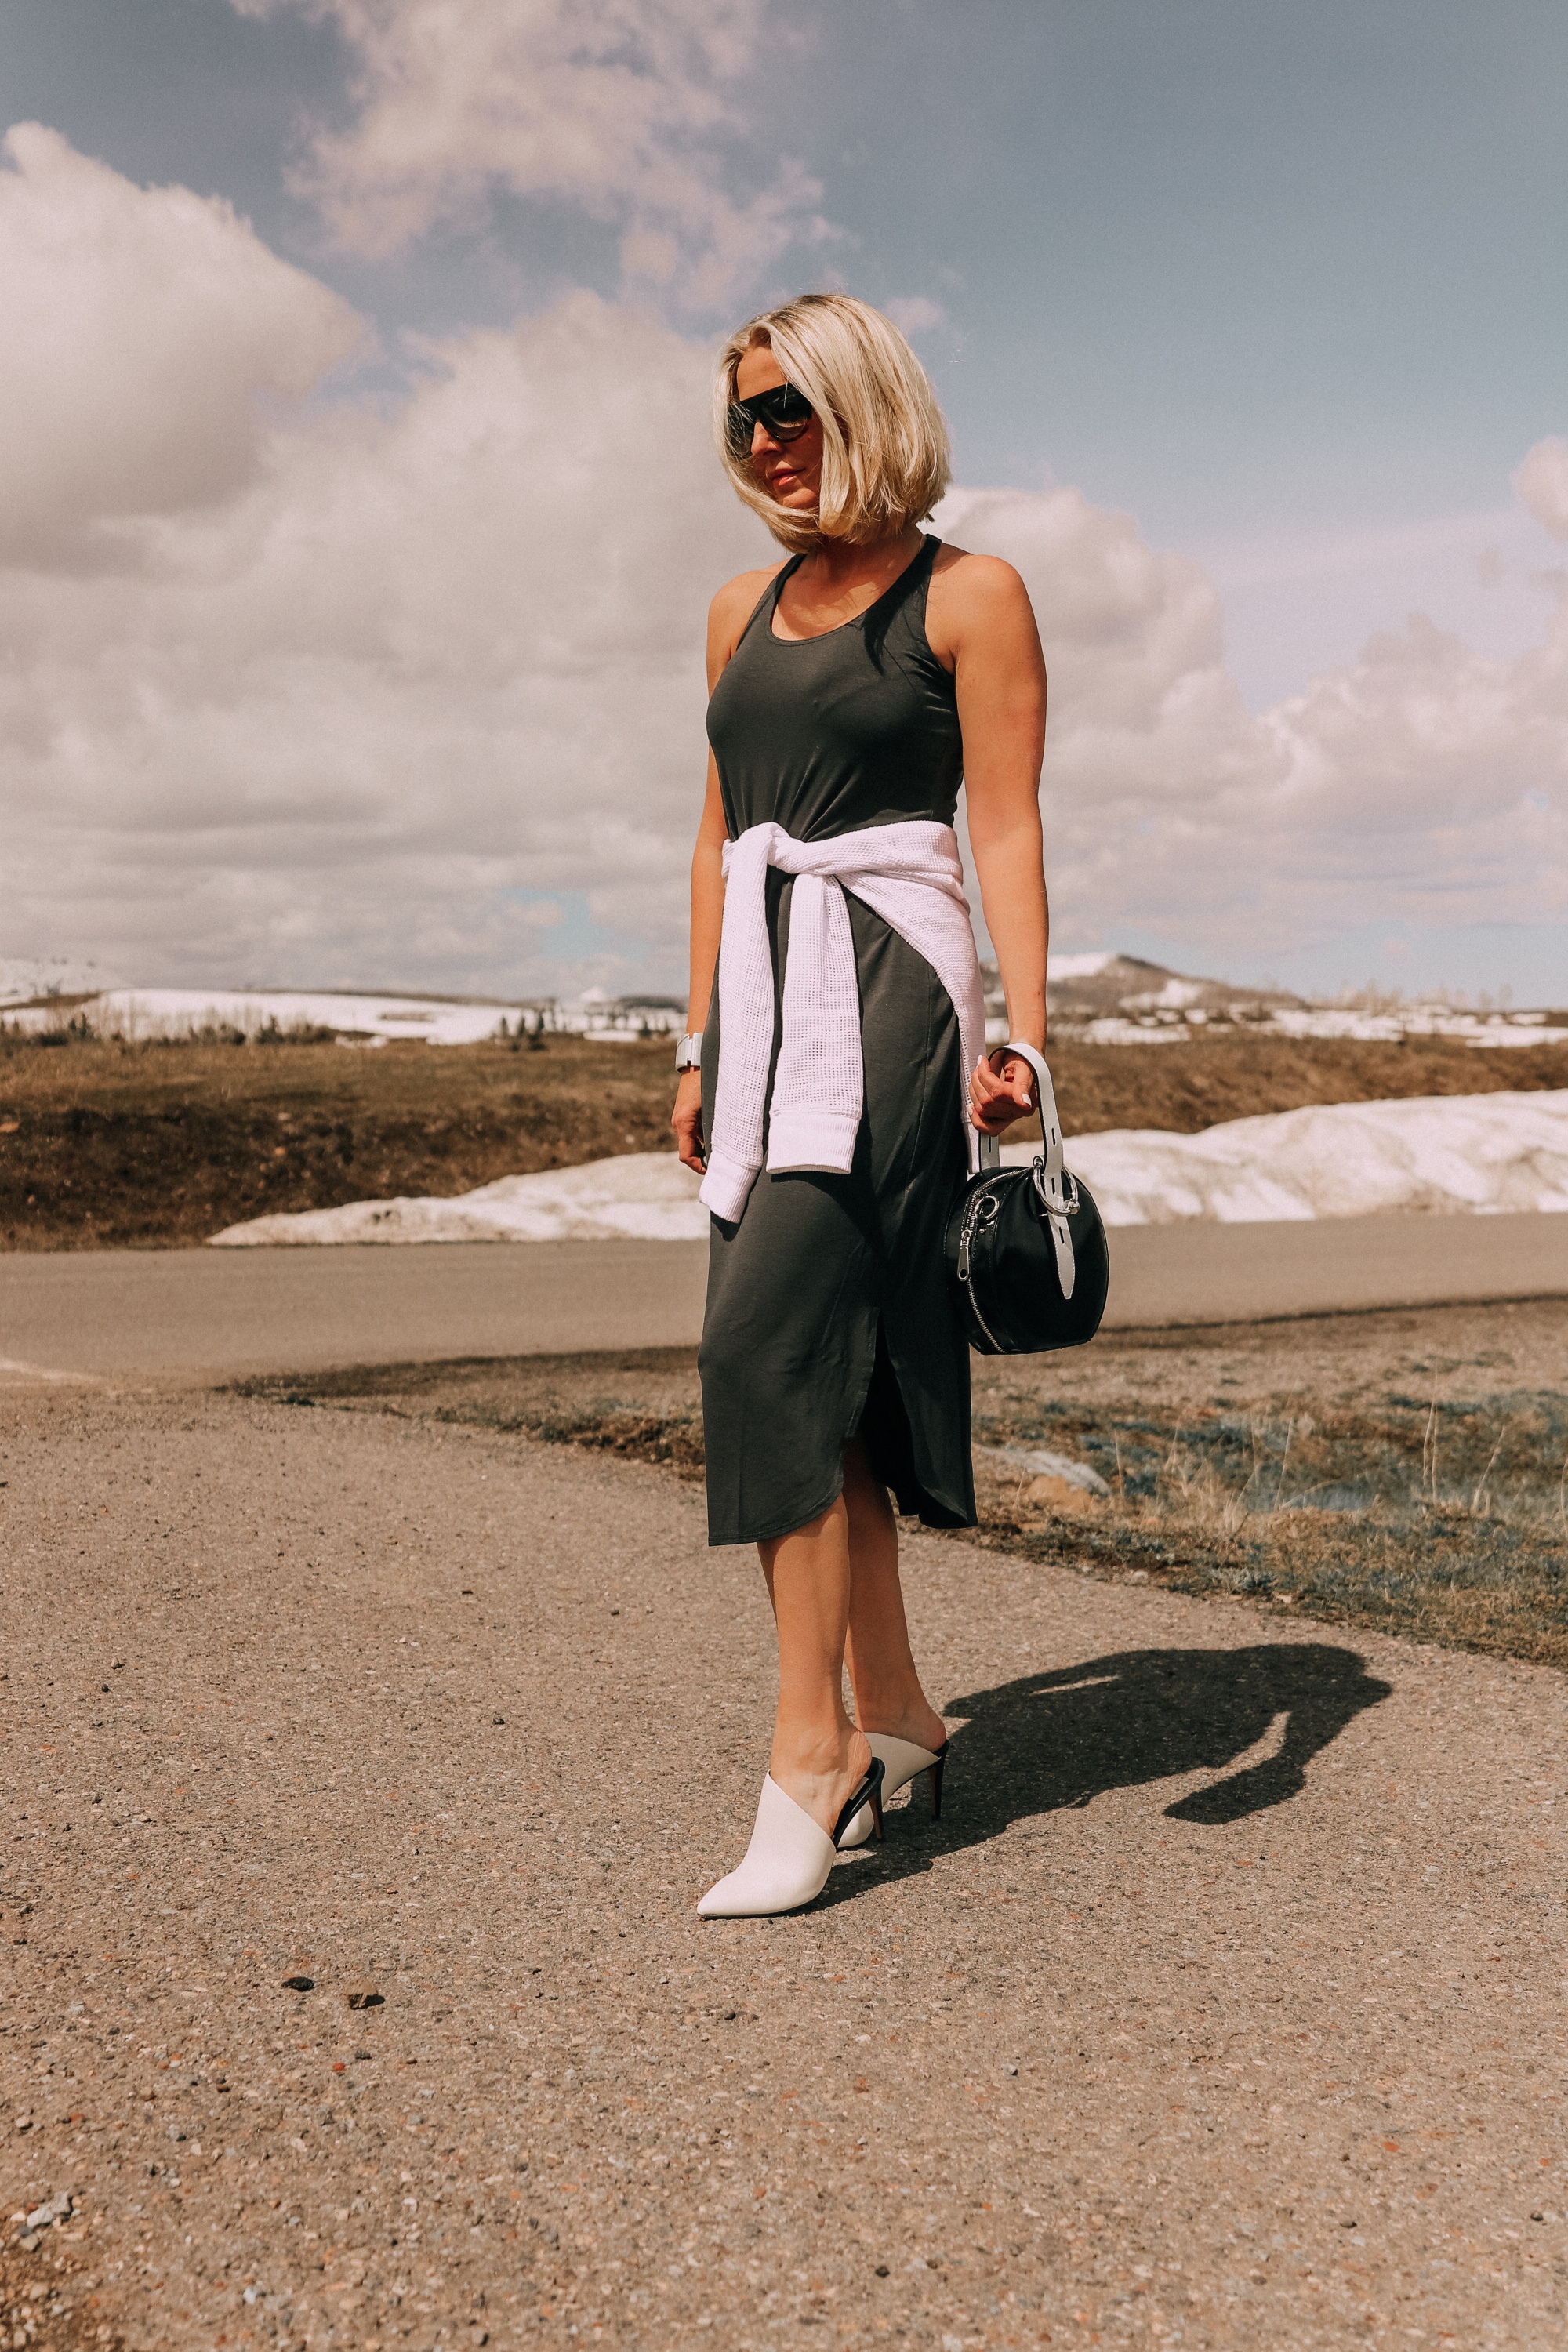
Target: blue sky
point(1288, 286)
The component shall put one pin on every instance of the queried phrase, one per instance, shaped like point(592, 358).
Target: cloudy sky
point(357, 520)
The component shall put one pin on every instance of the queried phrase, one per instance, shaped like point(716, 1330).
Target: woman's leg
point(888, 1694)
point(818, 1756)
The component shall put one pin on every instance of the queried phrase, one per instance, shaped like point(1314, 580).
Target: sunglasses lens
point(784, 412)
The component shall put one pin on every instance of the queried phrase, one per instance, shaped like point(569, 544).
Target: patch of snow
point(23, 978)
point(1480, 1154)
point(141, 1012)
point(1174, 997)
point(356, 1017)
point(1416, 1021)
point(1082, 967)
point(645, 1196)
point(1167, 1025)
point(1040, 1462)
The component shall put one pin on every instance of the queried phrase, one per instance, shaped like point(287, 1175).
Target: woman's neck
point(840, 562)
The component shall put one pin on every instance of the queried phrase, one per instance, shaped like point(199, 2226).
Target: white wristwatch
point(688, 1053)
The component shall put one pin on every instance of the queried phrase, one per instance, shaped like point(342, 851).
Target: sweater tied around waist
point(910, 875)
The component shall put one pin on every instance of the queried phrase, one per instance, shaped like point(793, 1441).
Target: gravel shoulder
point(1223, 2009)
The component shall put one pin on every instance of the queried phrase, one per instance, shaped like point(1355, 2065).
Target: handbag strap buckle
point(1049, 1172)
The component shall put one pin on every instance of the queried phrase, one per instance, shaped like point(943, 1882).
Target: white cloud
point(1148, 740)
point(915, 314)
point(143, 329)
point(1298, 603)
point(426, 656)
point(415, 669)
point(1542, 485)
point(1423, 782)
point(622, 107)
point(1426, 782)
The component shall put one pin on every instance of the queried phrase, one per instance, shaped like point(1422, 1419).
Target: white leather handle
point(1048, 1174)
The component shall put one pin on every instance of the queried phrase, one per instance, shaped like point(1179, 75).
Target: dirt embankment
point(1191, 1086)
point(149, 1146)
point(162, 1146)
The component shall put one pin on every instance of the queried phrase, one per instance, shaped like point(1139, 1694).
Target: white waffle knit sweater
point(910, 875)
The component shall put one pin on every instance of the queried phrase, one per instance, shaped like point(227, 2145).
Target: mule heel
point(903, 1762)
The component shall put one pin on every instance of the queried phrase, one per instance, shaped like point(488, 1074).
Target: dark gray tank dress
point(830, 1310)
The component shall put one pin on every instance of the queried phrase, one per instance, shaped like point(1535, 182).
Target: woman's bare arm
point(981, 622)
point(707, 923)
point(727, 616)
point(707, 901)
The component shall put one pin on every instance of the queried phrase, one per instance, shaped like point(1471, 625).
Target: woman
point(833, 1079)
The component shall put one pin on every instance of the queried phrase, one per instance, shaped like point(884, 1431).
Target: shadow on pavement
point(1051, 1741)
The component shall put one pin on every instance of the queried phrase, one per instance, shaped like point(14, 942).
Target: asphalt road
point(222, 1312)
point(1223, 2009)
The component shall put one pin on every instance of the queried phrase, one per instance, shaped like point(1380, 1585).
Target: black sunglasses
point(782, 410)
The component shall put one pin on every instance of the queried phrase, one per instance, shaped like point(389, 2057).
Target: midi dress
point(830, 1312)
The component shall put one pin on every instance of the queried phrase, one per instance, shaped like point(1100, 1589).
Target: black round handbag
point(1026, 1247)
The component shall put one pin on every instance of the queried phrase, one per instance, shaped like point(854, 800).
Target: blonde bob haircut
point(886, 458)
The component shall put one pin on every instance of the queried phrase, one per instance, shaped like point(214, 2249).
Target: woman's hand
point(687, 1120)
point(998, 1097)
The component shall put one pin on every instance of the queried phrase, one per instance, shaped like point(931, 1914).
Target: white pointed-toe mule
point(787, 1862)
point(902, 1762)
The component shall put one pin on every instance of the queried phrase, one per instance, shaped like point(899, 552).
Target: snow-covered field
point(1096, 1000)
point(1483, 1154)
point(24, 978)
point(146, 1012)
point(1171, 1025)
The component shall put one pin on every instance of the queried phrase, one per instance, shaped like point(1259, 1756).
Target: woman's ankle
point(818, 1753)
point(821, 1777)
point(901, 1716)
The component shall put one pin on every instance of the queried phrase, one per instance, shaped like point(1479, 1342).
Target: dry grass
point(162, 1146)
point(1406, 1471)
point(642, 1403)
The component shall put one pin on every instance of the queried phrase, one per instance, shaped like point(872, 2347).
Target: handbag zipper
point(983, 1205)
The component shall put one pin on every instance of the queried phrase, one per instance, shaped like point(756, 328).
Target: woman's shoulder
point(963, 574)
point(732, 609)
point(740, 595)
point(973, 597)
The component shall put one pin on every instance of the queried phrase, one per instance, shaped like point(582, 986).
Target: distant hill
point(1083, 987)
point(1109, 987)
point(1106, 998)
